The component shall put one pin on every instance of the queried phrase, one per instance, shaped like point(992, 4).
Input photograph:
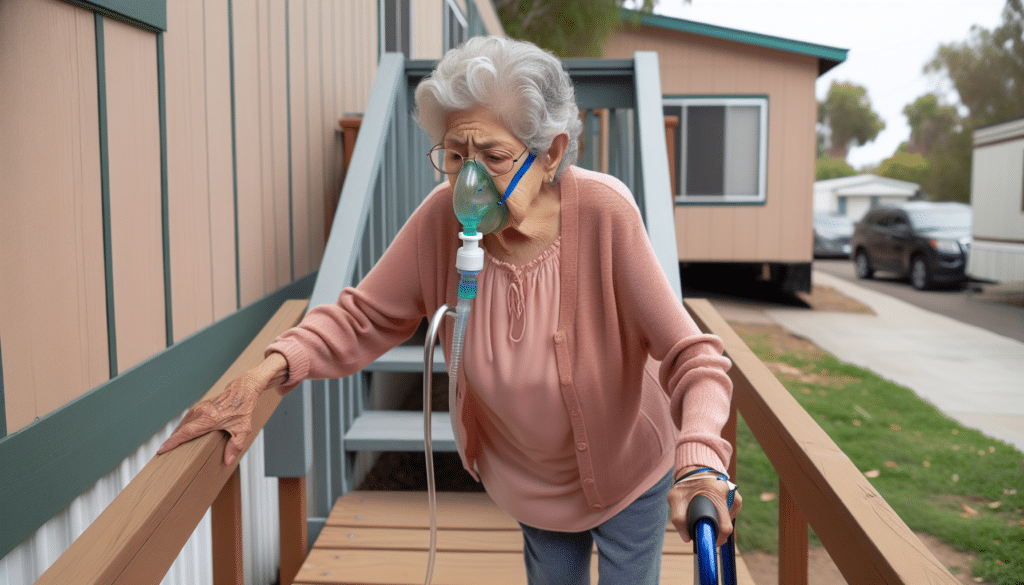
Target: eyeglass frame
point(484, 165)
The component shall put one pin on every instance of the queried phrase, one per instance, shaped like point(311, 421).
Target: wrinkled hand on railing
point(230, 411)
point(715, 489)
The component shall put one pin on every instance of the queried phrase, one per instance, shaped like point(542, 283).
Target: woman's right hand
point(231, 411)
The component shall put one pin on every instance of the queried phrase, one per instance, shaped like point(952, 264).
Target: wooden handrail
point(138, 536)
point(864, 536)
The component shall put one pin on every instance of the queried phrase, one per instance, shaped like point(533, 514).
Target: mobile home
point(997, 197)
point(743, 152)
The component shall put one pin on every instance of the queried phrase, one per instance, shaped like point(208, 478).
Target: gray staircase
point(399, 430)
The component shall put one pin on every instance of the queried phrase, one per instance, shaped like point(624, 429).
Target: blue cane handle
point(702, 524)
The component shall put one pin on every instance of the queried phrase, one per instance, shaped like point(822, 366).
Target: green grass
point(942, 478)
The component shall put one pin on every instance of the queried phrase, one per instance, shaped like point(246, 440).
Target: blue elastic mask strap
point(515, 179)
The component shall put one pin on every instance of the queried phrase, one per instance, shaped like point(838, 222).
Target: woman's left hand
point(716, 490)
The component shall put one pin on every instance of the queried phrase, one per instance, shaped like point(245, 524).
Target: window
point(396, 27)
point(721, 149)
point(455, 26)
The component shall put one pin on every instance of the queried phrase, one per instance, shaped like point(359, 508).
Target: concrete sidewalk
point(972, 375)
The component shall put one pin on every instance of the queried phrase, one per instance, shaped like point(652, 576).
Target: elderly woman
point(586, 392)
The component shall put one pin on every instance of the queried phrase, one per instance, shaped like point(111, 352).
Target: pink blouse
point(528, 460)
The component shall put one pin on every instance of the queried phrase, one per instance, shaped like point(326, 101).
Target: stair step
point(397, 430)
point(407, 358)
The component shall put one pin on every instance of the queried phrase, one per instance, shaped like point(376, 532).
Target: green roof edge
point(828, 57)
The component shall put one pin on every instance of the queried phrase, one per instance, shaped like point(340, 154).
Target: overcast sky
point(889, 42)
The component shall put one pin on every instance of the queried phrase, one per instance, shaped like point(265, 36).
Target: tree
point(567, 28)
point(931, 124)
point(905, 166)
point(943, 146)
point(987, 70)
point(847, 116)
point(827, 167)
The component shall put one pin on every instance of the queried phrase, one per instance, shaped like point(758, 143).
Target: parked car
point(925, 241)
point(832, 233)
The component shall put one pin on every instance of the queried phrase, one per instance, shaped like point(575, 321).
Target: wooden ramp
point(382, 538)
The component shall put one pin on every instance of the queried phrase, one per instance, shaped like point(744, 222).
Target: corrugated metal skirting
point(25, 564)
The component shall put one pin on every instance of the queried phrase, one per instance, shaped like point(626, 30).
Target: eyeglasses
point(495, 161)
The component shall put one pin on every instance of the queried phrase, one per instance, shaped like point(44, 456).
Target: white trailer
point(997, 197)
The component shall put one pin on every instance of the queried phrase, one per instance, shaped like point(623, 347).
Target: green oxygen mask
point(478, 204)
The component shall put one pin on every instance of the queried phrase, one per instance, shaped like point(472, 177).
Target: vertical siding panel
point(799, 151)
point(341, 74)
point(187, 180)
point(332, 138)
point(219, 163)
point(135, 207)
point(298, 88)
point(52, 287)
point(368, 59)
point(428, 29)
point(315, 129)
point(279, 145)
point(266, 148)
point(353, 42)
point(248, 151)
point(779, 202)
point(359, 49)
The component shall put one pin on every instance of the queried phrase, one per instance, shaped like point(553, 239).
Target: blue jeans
point(629, 546)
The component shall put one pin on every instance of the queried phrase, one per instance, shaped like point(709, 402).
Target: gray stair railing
point(329, 430)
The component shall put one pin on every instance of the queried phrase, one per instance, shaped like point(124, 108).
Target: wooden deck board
point(382, 537)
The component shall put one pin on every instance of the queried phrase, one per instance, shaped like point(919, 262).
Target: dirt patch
point(778, 339)
point(826, 298)
point(400, 471)
point(764, 568)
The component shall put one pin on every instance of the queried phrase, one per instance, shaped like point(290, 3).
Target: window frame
point(762, 102)
point(453, 15)
point(405, 41)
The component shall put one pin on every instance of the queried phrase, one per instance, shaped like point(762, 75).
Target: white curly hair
point(525, 86)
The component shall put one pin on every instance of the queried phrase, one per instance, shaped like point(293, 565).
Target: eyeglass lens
point(495, 160)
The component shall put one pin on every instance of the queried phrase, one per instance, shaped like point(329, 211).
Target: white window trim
point(762, 171)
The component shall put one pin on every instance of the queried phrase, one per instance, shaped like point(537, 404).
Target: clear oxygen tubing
point(469, 262)
point(428, 442)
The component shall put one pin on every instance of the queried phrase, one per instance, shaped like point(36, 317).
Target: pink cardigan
point(616, 312)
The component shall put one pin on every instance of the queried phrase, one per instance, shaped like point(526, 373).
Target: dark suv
point(925, 241)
